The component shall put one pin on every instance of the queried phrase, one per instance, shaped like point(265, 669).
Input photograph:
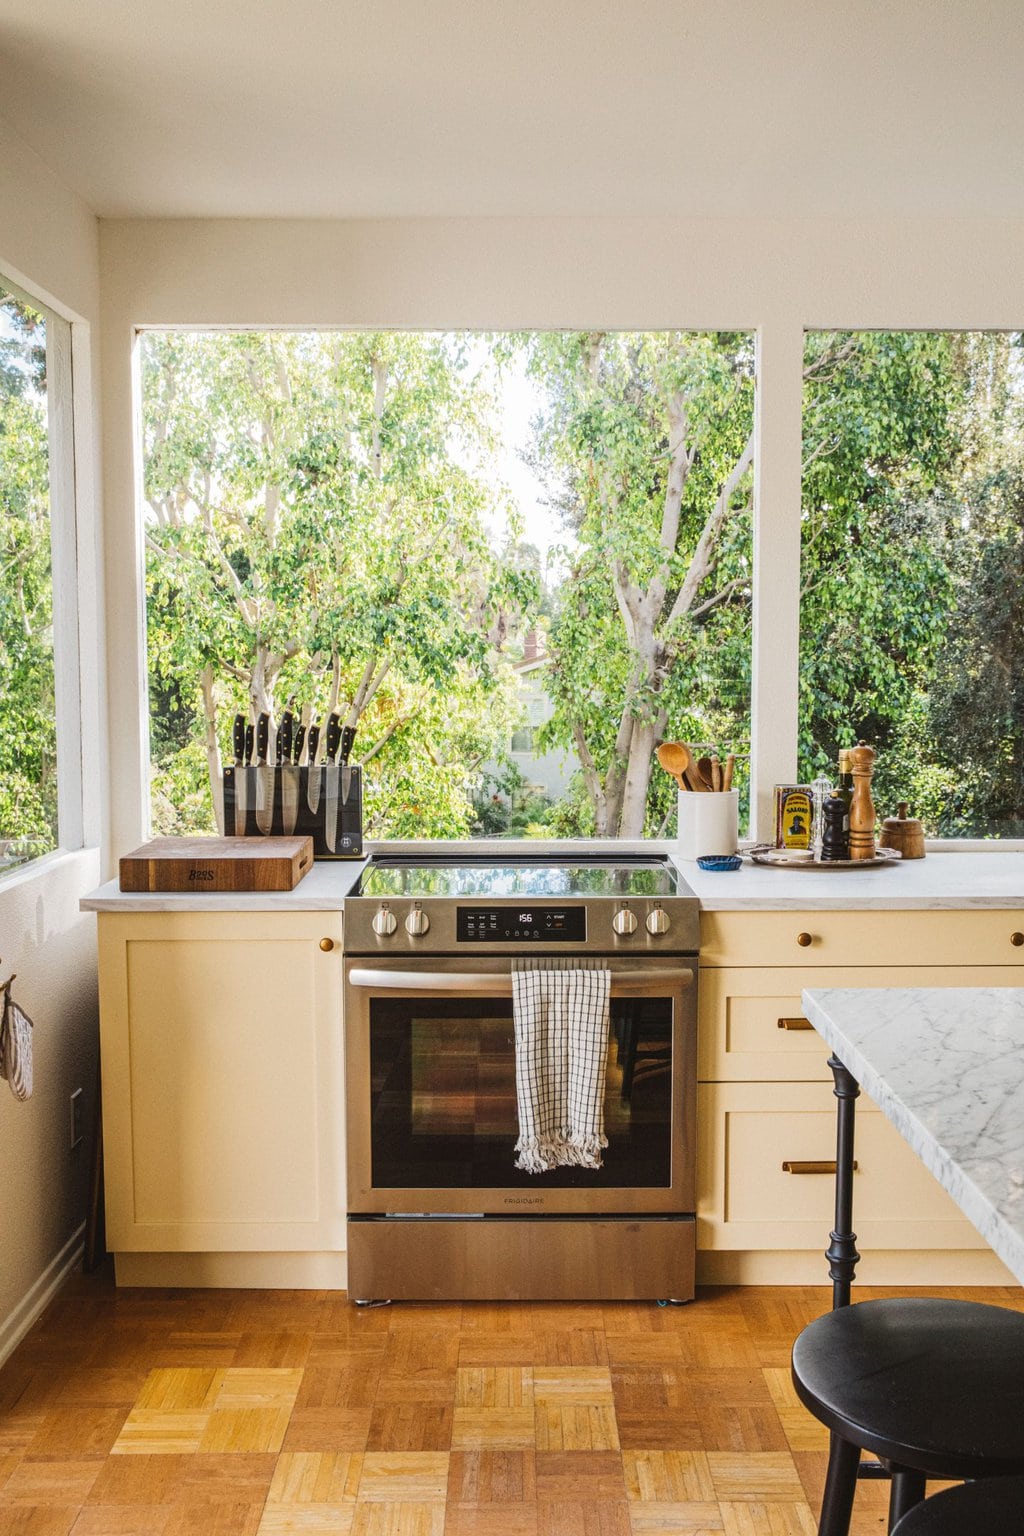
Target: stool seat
point(992, 1508)
point(930, 1384)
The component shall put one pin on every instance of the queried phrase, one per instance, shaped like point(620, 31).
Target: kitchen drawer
point(746, 1201)
point(860, 937)
point(739, 1035)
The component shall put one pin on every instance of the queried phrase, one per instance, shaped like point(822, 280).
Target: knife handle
point(348, 736)
point(333, 737)
point(314, 743)
point(249, 734)
point(238, 738)
point(287, 722)
point(300, 736)
point(278, 743)
point(262, 737)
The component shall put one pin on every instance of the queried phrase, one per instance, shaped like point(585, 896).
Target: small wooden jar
point(904, 833)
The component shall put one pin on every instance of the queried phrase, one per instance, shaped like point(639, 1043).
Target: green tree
point(647, 444)
point(318, 532)
point(28, 747)
point(910, 550)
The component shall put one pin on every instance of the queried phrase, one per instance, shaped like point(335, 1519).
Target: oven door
point(431, 1093)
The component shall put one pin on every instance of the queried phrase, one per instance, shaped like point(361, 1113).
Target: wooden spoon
point(675, 759)
point(706, 772)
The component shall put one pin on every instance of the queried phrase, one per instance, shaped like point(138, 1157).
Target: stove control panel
point(526, 924)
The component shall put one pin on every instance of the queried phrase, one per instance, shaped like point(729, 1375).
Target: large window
point(912, 614)
point(28, 708)
point(457, 542)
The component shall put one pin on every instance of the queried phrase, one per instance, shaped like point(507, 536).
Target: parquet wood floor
point(270, 1413)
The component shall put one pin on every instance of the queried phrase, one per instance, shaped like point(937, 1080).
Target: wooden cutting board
point(218, 864)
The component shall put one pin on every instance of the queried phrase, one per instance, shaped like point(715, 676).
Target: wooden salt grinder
point(862, 807)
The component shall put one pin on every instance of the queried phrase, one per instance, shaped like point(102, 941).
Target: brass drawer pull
point(795, 1024)
point(1017, 939)
point(326, 945)
point(822, 1167)
point(804, 940)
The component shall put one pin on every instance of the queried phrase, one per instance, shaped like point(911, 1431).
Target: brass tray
point(763, 857)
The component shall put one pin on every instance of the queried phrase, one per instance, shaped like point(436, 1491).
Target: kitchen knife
point(249, 736)
point(333, 741)
point(287, 726)
point(264, 776)
point(347, 737)
point(238, 738)
point(314, 771)
point(300, 737)
point(289, 776)
point(331, 773)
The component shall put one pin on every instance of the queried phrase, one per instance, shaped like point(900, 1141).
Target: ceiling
point(332, 108)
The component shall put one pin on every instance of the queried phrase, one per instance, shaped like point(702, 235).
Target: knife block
point(241, 785)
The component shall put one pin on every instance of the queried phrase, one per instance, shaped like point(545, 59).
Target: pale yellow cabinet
point(766, 1113)
point(223, 1096)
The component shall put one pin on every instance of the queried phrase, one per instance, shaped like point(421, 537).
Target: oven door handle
point(489, 984)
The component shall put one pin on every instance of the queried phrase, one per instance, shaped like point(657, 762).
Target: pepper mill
point(862, 807)
point(835, 836)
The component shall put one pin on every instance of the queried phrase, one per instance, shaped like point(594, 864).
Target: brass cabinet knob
point(326, 945)
point(1017, 939)
point(803, 939)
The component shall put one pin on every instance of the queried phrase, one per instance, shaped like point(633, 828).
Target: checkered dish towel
point(561, 1027)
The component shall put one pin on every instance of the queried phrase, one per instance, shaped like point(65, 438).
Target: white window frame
point(777, 508)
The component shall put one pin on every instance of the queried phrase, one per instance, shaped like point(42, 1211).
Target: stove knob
point(417, 923)
point(384, 922)
point(624, 921)
point(657, 920)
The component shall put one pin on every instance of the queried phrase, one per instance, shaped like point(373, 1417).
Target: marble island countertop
point(946, 1066)
point(950, 880)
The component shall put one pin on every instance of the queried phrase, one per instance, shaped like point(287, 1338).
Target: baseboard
point(970, 1266)
point(234, 1271)
point(35, 1301)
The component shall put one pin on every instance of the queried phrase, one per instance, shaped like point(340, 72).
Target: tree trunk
point(213, 761)
point(638, 778)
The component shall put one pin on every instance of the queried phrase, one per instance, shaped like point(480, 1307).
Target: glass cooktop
point(609, 876)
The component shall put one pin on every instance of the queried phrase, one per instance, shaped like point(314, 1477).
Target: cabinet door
point(747, 1200)
point(749, 1019)
point(223, 1097)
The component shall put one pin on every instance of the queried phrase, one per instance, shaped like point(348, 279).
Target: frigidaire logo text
point(524, 1199)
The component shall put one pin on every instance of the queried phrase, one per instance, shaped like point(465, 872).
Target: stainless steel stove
point(436, 1206)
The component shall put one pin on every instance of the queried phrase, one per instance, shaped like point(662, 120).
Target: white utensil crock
point(708, 823)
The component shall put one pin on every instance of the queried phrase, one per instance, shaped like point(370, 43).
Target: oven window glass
point(443, 1094)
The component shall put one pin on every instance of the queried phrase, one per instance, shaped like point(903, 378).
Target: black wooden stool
point(992, 1508)
point(933, 1387)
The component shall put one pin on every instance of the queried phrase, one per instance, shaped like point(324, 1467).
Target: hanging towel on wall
point(561, 1030)
point(15, 1045)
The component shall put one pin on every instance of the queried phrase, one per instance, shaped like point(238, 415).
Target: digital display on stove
point(525, 925)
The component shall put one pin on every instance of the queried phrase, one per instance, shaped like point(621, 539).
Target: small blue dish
point(719, 863)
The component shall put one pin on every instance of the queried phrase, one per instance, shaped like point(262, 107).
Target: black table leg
point(842, 1249)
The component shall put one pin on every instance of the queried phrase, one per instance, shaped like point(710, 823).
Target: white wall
point(775, 277)
point(49, 246)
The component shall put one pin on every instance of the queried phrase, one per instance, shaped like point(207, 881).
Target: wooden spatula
point(706, 772)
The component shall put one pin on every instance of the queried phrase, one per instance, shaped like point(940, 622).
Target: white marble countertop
point(946, 1065)
point(957, 880)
